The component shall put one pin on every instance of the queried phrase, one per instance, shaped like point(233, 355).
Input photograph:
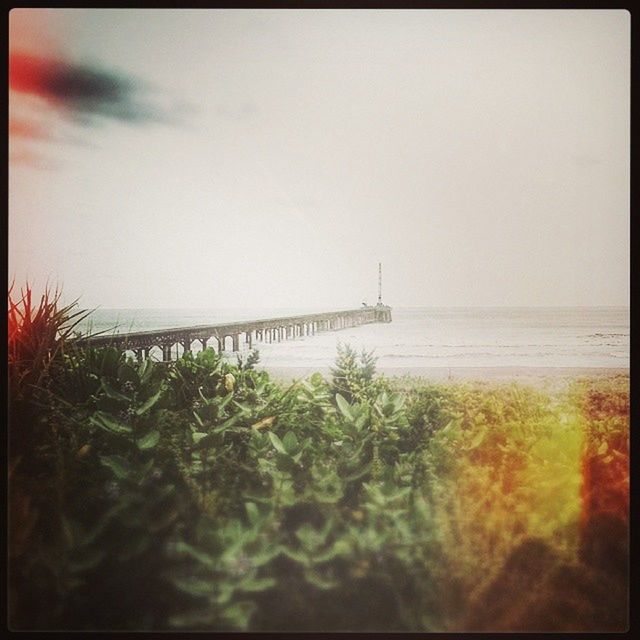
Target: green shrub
point(201, 495)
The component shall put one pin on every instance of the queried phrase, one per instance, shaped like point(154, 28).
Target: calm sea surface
point(425, 337)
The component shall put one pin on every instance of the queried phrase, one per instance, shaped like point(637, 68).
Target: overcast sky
point(271, 158)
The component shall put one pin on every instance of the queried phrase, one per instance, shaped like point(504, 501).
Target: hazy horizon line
point(249, 308)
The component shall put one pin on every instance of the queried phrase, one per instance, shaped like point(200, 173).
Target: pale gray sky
point(264, 158)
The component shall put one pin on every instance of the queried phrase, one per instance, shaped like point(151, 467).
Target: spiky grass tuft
point(37, 334)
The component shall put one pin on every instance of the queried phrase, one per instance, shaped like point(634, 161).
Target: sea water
point(419, 338)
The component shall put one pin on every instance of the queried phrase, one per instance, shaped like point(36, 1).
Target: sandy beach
point(540, 377)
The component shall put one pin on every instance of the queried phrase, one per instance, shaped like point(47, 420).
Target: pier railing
point(168, 342)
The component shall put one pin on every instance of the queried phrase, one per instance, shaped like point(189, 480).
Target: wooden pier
point(170, 343)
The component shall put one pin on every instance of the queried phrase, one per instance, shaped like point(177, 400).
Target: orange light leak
point(26, 73)
point(34, 48)
point(34, 110)
point(605, 461)
point(35, 44)
point(27, 129)
point(36, 76)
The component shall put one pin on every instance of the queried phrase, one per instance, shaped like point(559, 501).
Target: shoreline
point(532, 376)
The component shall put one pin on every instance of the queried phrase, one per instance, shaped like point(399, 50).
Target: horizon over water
point(422, 337)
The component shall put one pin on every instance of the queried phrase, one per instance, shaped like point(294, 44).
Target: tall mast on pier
point(379, 282)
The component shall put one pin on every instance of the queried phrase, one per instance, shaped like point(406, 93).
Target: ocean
point(421, 338)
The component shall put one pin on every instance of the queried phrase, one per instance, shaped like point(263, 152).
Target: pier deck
point(171, 341)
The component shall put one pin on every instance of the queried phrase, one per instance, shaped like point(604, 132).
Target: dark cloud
point(84, 92)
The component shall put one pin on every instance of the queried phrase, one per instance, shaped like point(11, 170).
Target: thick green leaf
point(344, 407)
point(245, 408)
point(225, 401)
point(207, 401)
point(143, 408)
point(145, 370)
point(198, 419)
point(112, 393)
point(264, 557)
point(258, 584)
point(290, 442)
point(339, 548)
point(361, 421)
point(106, 422)
point(117, 464)
point(315, 579)
point(201, 441)
point(477, 440)
point(149, 441)
point(277, 443)
point(194, 619)
point(227, 424)
point(297, 556)
point(196, 586)
point(239, 614)
point(202, 557)
point(252, 512)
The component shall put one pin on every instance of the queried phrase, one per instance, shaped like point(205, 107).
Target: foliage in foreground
point(202, 495)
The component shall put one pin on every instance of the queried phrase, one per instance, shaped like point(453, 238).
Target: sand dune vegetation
point(204, 495)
